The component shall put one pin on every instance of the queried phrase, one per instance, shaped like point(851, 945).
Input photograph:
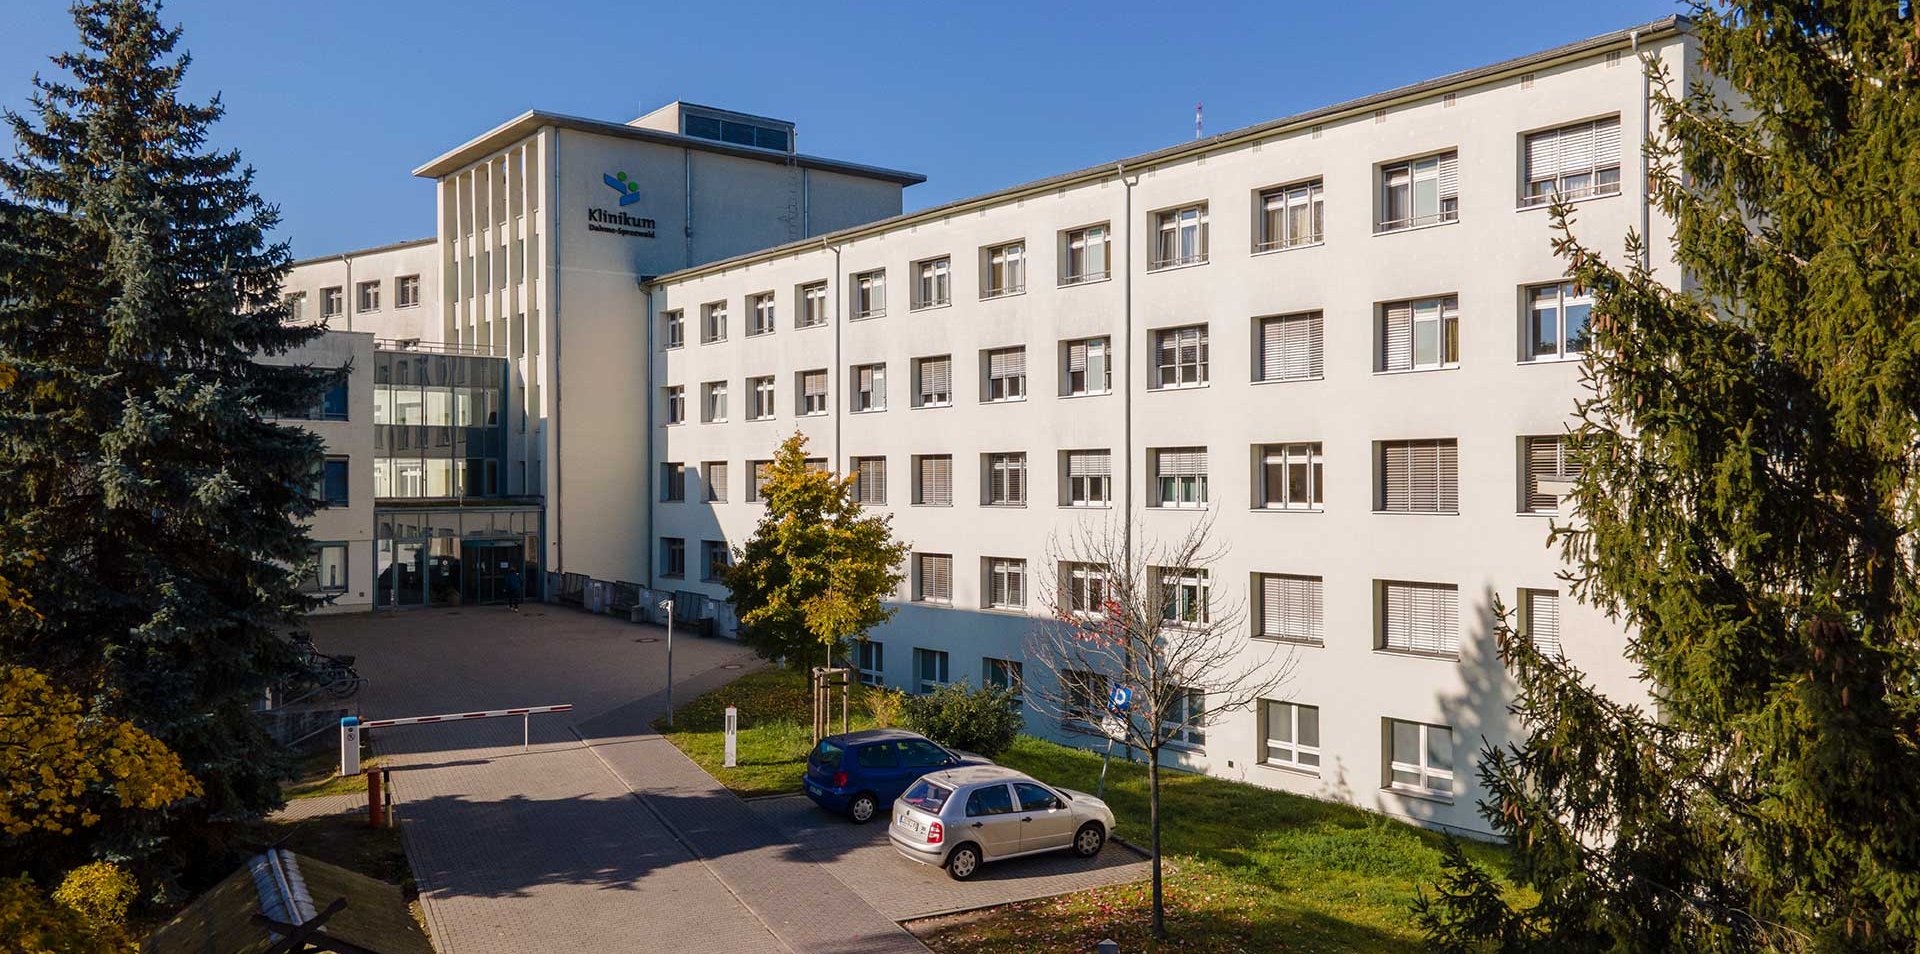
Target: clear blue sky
point(333, 102)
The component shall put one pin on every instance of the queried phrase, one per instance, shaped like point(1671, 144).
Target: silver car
point(963, 817)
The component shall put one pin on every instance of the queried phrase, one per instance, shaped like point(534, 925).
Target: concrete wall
point(386, 265)
point(353, 439)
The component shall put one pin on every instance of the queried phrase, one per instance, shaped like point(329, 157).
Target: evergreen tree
point(139, 463)
point(814, 573)
point(1748, 505)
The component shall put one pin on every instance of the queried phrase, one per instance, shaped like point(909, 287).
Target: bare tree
point(1149, 615)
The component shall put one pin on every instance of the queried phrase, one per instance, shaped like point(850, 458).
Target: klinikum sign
point(615, 220)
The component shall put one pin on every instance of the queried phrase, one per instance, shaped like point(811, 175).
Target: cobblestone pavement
point(301, 809)
point(860, 857)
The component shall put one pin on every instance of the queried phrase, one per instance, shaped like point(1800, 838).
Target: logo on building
point(629, 191)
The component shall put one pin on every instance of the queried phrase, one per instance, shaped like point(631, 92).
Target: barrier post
point(526, 730)
point(733, 733)
point(349, 746)
point(374, 802)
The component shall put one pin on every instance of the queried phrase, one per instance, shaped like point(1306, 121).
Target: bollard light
point(667, 605)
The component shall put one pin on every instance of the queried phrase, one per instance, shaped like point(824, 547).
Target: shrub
point(961, 717)
point(885, 706)
point(99, 892)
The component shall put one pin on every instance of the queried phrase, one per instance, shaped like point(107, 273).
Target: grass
point(316, 775)
point(1248, 868)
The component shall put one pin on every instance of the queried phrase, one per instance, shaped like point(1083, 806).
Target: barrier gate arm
point(351, 728)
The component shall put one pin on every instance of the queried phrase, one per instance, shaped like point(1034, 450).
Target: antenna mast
point(1198, 127)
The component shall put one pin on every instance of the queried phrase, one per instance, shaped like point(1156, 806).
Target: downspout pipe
point(1646, 132)
point(1125, 261)
point(839, 367)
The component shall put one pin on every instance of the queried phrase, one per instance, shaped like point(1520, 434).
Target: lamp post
point(667, 605)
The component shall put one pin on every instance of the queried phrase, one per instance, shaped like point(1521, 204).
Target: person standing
point(515, 588)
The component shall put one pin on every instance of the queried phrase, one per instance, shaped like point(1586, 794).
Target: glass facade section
point(439, 426)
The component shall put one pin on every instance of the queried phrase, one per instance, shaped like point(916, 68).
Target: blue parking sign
point(1121, 699)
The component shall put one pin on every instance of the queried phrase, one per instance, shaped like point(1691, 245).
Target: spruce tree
point(140, 465)
point(1748, 506)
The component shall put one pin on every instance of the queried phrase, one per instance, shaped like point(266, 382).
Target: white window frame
point(870, 660)
point(1008, 674)
point(297, 306)
point(1441, 169)
point(1275, 218)
point(1179, 237)
point(1296, 612)
point(673, 332)
point(1004, 479)
point(673, 482)
point(1426, 623)
point(869, 493)
point(930, 669)
point(1443, 497)
point(1186, 597)
point(1435, 318)
point(670, 549)
point(1172, 368)
point(713, 322)
point(810, 303)
point(1547, 471)
point(1096, 360)
point(318, 583)
point(1430, 780)
point(1577, 161)
point(333, 300)
point(713, 473)
point(1302, 454)
point(1090, 489)
point(812, 403)
point(761, 394)
point(1006, 583)
point(757, 480)
point(406, 291)
point(1187, 725)
point(1077, 258)
point(925, 494)
point(675, 400)
point(1554, 299)
point(1086, 588)
point(933, 282)
point(1181, 488)
point(922, 397)
point(1292, 752)
point(713, 402)
point(762, 314)
point(926, 589)
point(869, 292)
point(709, 551)
point(1291, 347)
point(1005, 269)
point(366, 296)
point(1008, 387)
point(1540, 620)
point(873, 398)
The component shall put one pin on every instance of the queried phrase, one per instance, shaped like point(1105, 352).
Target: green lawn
point(317, 774)
point(1249, 869)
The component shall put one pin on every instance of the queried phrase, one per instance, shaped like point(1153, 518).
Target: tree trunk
point(1153, 816)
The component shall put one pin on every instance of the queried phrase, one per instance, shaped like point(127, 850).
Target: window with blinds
point(760, 314)
point(1420, 476)
point(1290, 216)
point(757, 489)
point(813, 391)
point(933, 480)
point(933, 577)
point(1419, 192)
point(716, 476)
point(1419, 618)
point(1572, 162)
point(1180, 357)
point(1006, 374)
point(933, 385)
point(1540, 621)
point(934, 282)
point(869, 385)
point(1290, 608)
point(1181, 476)
point(1549, 472)
point(812, 305)
point(1006, 480)
point(1292, 347)
point(1419, 335)
point(1089, 478)
point(1085, 367)
point(1006, 583)
point(869, 293)
point(1290, 477)
point(870, 481)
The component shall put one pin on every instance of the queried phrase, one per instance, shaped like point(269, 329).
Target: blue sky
point(333, 102)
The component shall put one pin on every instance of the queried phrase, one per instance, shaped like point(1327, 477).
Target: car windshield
point(826, 755)
point(929, 797)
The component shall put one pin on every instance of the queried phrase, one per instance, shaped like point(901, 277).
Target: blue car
point(859, 772)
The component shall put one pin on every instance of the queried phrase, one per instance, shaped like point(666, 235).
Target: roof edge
point(370, 250)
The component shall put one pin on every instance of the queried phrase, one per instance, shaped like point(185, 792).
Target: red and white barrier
point(350, 728)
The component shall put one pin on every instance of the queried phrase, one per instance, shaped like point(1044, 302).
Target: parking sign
point(1121, 699)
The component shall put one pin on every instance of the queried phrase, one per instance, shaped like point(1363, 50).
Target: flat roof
point(1450, 81)
point(529, 122)
point(354, 253)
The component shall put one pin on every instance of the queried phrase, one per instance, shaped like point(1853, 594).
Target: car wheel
point(861, 809)
point(1088, 840)
point(964, 861)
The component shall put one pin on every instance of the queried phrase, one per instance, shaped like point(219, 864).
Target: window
point(1180, 237)
point(1557, 321)
point(1086, 695)
point(869, 385)
point(991, 800)
point(1420, 192)
point(1419, 476)
point(933, 577)
point(762, 388)
point(933, 282)
point(870, 659)
point(933, 381)
point(1290, 477)
point(331, 301)
point(713, 402)
point(329, 569)
point(1540, 621)
point(1186, 717)
point(1292, 735)
point(930, 668)
point(1289, 216)
point(1006, 270)
point(1289, 607)
point(760, 314)
point(1420, 618)
point(1086, 257)
point(297, 306)
point(1292, 347)
point(1006, 480)
point(1181, 475)
point(1420, 758)
point(1419, 335)
point(1006, 374)
point(1183, 596)
point(1180, 357)
point(673, 557)
point(673, 482)
point(333, 482)
point(1548, 472)
point(813, 392)
point(716, 475)
point(870, 294)
point(715, 559)
point(1006, 583)
point(406, 291)
point(1003, 674)
point(1089, 478)
point(1573, 162)
point(713, 322)
point(812, 305)
point(1087, 370)
point(870, 481)
point(366, 296)
point(672, 329)
point(334, 403)
point(1086, 588)
point(757, 491)
point(933, 480)
point(675, 400)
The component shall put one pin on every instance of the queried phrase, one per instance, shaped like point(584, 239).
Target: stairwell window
point(1290, 477)
point(870, 294)
point(1419, 758)
point(1292, 347)
point(1006, 583)
point(1180, 475)
point(933, 381)
point(1180, 357)
point(870, 481)
point(1290, 216)
point(1006, 480)
point(1087, 251)
point(868, 383)
point(1540, 621)
point(1005, 271)
point(1422, 618)
point(813, 392)
point(1089, 478)
point(933, 284)
point(933, 577)
point(1548, 470)
point(1290, 608)
point(761, 390)
point(1292, 735)
point(1557, 318)
point(1006, 370)
point(1419, 192)
point(760, 314)
point(1418, 476)
point(1085, 367)
point(1419, 335)
point(1572, 162)
point(933, 480)
point(1180, 237)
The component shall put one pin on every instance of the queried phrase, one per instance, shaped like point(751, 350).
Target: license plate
point(815, 789)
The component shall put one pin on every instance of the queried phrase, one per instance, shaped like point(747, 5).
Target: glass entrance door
point(486, 563)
